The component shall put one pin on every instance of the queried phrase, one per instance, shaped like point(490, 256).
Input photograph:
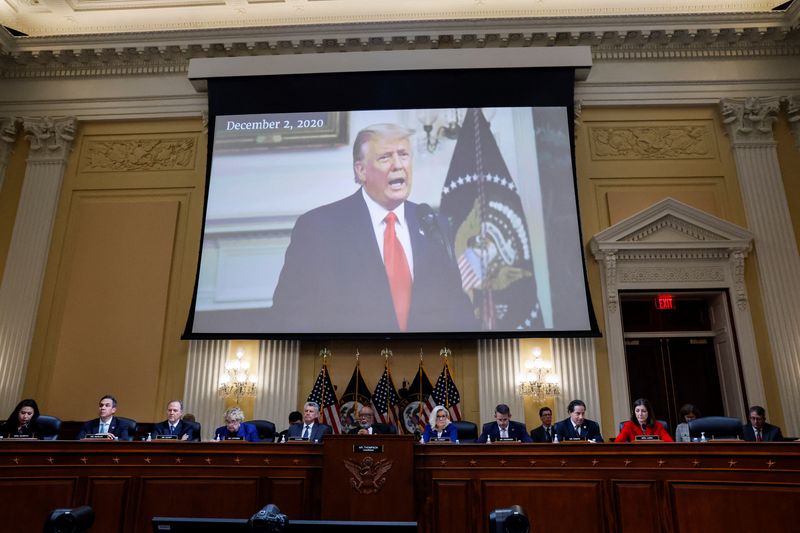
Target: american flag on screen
point(387, 402)
point(445, 393)
point(324, 395)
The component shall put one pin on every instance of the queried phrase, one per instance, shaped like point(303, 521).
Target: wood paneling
point(109, 498)
point(26, 503)
point(637, 508)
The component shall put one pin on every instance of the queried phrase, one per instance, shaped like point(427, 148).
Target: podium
point(368, 477)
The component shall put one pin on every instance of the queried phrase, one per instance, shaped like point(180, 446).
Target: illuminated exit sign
point(664, 301)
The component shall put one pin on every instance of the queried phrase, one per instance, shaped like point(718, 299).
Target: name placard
point(647, 437)
point(506, 439)
point(234, 438)
point(297, 439)
point(367, 448)
point(440, 440)
point(97, 436)
point(168, 437)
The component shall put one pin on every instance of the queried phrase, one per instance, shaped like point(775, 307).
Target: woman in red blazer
point(642, 422)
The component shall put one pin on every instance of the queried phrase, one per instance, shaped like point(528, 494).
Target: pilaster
point(793, 116)
point(51, 141)
point(749, 124)
point(8, 133)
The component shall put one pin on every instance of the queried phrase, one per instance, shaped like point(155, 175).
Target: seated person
point(439, 426)
point(545, 432)
point(236, 427)
point(22, 420)
point(503, 427)
point(758, 430)
point(295, 417)
point(577, 426)
point(106, 424)
point(687, 413)
point(367, 424)
point(642, 422)
point(174, 425)
point(310, 429)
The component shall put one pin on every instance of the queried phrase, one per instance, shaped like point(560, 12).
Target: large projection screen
point(293, 245)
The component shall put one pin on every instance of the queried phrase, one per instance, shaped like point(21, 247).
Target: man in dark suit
point(368, 426)
point(545, 432)
point(295, 417)
point(758, 430)
point(310, 429)
point(174, 425)
point(503, 428)
point(107, 424)
point(372, 261)
point(577, 426)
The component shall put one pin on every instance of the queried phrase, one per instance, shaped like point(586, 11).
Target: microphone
point(644, 428)
point(429, 223)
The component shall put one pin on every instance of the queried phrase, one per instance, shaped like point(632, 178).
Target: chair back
point(131, 424)
point(48, 427)
point(265, 429)
point(466, 431)
point(716, 427)
point(196, 428)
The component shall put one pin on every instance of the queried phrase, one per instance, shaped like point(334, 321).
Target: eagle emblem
point(368, 476)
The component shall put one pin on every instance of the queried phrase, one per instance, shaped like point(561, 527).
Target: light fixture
point(540, 381)
point(237, 382)
point(438, 124)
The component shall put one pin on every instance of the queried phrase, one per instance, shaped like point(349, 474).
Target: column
point(498, 371)
point(51, 141)
point(575, 363)
point(204, 366)
point(749, 124)
point(793, 116)
point(8, 133)
point(276, 397)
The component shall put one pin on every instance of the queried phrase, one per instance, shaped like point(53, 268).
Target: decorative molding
point(670, 274)
point(609, 260)
point(50, 138)
point(8, 135)
point(149, 155)
point(739, 291)
point(650, 142)
point(793, 115)
point(749, 121)
point(671, 222)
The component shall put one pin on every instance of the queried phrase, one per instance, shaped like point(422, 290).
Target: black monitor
point(237, 525)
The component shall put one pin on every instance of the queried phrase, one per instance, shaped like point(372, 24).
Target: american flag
point(324, 395)
point(387, 402)
point(445, 393)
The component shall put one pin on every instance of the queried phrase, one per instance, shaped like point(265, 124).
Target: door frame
point(673, 246)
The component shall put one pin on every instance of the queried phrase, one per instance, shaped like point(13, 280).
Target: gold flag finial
point(325, 354)
point(445, 352)
point(386, 353)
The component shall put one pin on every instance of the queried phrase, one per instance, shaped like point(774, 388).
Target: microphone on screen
point(429, 223)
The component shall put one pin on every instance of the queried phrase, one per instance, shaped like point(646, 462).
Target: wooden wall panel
point(108, 498)
point(452, 509)
point(25, 503)
point(742, 506)
point(288, 493)
point(551, 505)
point(638, 508)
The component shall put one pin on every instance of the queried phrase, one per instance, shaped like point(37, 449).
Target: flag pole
point(325, 353)
point(358, 375)
point(446, 352)
point(419, 372)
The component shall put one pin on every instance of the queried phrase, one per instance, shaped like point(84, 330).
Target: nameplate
point(573, 439)
point(297, 439)
point(439, 439)
point(234, 438)
point(367, 448)
point(97, 436)
point(26, 437)
point(506, 439)
point(170, 437)
point(647, 437)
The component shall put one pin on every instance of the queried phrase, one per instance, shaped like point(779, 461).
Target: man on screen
point(369, 262)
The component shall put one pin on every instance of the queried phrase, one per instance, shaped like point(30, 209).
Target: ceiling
point(50, 18)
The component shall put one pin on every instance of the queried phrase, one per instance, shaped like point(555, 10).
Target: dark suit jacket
point(115, 428)
point(318, 431)
point(333, 279)
point(590, 430)
point(248, 431)
point(183, 428)
point(450, 432)
point(516, 431)
point(769, 433)
point(538, 434)
point(377, 429)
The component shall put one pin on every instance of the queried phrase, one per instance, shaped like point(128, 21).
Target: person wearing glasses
point(235, 428)
point(439, 426)
point(368, 426)
point(757, 429)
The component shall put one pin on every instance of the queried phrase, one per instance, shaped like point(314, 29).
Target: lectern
point(368, 477)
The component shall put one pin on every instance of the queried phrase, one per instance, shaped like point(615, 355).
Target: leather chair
point(716, 427)
point(197, 429)
point(467, 431)
point(131, 424)
point(265, 428)
point(48, 427)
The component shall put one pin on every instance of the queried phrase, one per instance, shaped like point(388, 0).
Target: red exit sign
point(664, 301)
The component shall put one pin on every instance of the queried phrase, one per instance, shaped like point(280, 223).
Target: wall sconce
point(540, 381)
point(237, 382)
point(438, 124)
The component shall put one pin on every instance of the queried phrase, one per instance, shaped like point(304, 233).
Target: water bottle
point(555, 438)
point(703, 436)
point(149, 438)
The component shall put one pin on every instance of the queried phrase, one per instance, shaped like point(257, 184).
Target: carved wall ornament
point(151, 155)
point(679, 225)
point(8, 134)
point(369, 475)
point(651, 142)
point(750, 120)
point(50, 137)
point(670, 274)
point(739, 291)
point(610, 262)
point(793, 116)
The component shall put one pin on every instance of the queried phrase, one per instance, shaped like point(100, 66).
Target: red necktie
point(397, 270)
point(758, 435)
